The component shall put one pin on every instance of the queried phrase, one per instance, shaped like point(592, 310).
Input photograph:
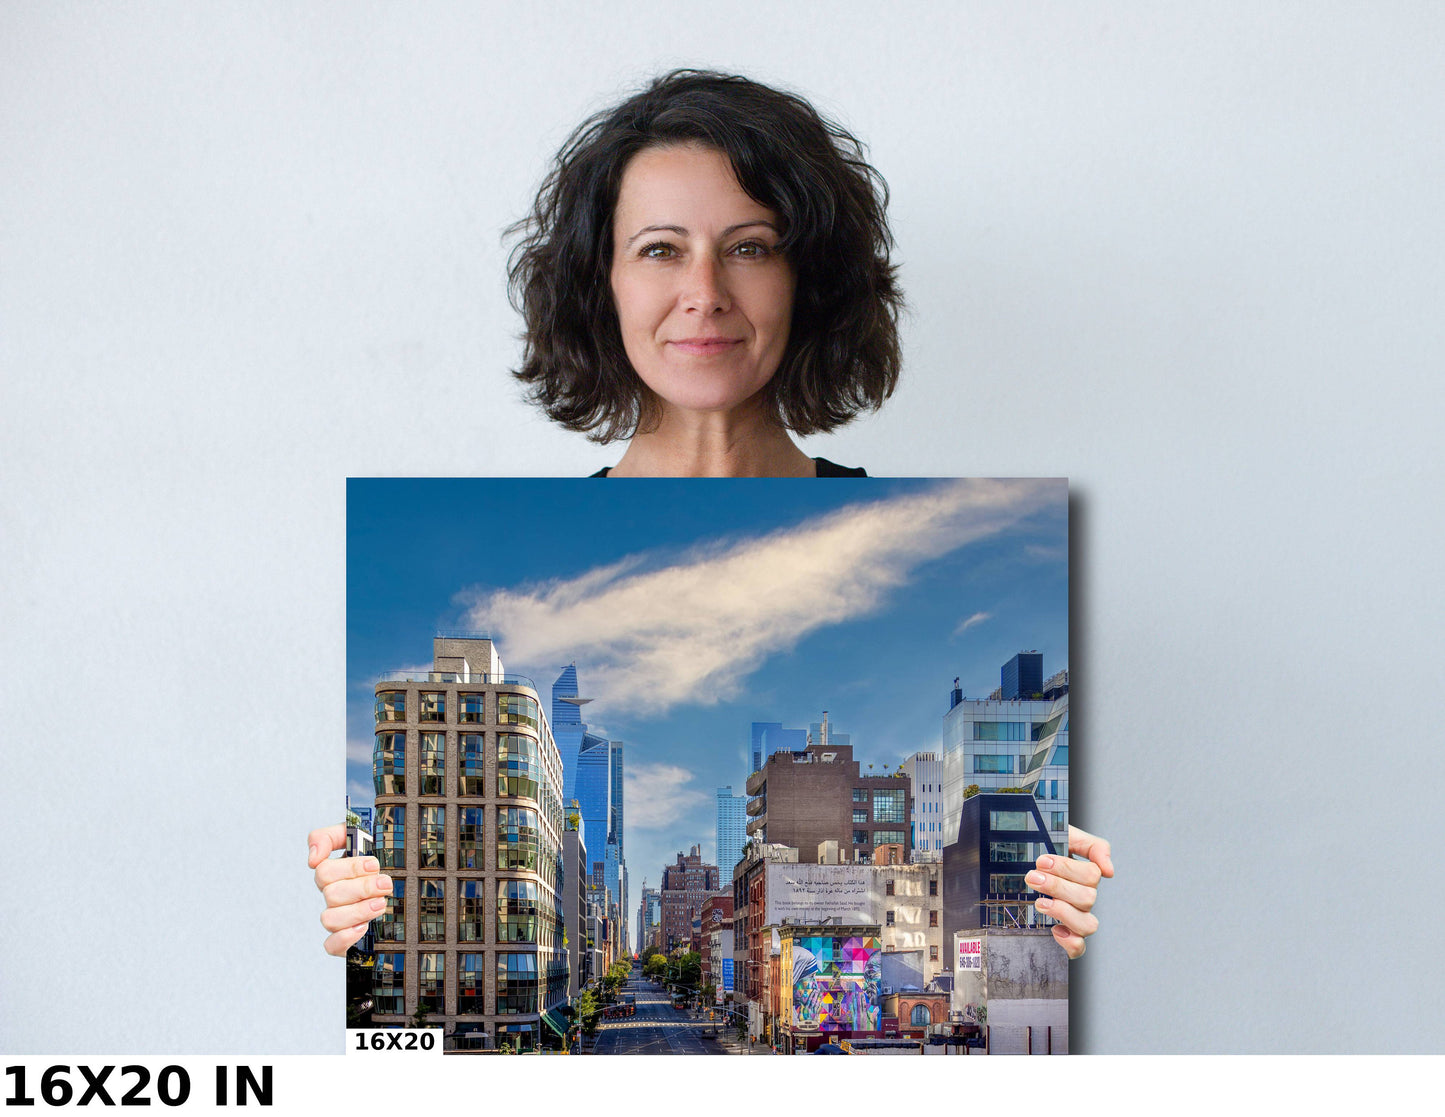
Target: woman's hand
point(1070, 888)
point(354, 887)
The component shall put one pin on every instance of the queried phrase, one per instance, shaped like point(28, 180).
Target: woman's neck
point(709, 444)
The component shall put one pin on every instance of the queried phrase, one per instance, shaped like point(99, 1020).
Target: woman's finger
point(324, 842)
point(352, 915)
point(1081, 896)
point(350, 890)
point(342, 941)
point(1079, 922)
point(1095, 848)
point(340, 868)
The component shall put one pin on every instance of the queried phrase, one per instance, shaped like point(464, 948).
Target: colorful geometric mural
point(835, 982)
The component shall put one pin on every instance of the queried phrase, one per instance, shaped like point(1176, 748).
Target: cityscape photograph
point(733, 767)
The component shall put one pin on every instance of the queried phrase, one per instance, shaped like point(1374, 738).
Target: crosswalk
point(656, 1029)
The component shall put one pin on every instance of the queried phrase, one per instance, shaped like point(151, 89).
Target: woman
point(705, 273)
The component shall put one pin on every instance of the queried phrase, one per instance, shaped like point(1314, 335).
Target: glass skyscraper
point(732, 830)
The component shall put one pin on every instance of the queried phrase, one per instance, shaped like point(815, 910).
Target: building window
point(1000, 731)
point(390, 925)
point(469, 983)
point(472, 768)
point(1010, 820)
point(1053, 789)
point(890, 805)
point(888, 919)
point(1061, 756)
point(516, 911)
point(860, 795)
point(388, 764)
point(469, 913)
point(518, 838)
point(993, 765)
point(888, 888)
point(387, 980)
point(433, 762)
point(933, 888)
point(516, 984)
point(472, 707)
point(517, 709)
point(433, 706)
point(470, 835)
point(430, 987)
point(1014, 851)
point(860, 837)
point(860, 816)
point(432, 853)
point(933, 954)
point(889, 837)
point(433, 911)
point(919, 1017)
point(933, 919)
point(1010, 883)
point(391, 705)
point(518, 769)
point(391, 837)
point(1058, 821)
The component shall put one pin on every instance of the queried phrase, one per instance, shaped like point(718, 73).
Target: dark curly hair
point(843, 353)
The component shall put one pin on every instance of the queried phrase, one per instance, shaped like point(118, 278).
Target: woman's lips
point(705, 346)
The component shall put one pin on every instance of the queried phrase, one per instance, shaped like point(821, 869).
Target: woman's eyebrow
point(680, 231)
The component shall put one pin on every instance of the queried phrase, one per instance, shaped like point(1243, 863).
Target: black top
point(825, 469)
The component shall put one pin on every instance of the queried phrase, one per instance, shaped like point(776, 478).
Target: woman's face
point(703, 296)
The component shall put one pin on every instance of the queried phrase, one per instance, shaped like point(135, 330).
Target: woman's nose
point(705, 287)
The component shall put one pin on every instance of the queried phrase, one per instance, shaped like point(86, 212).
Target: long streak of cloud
point(968, 622)
point(692, 631)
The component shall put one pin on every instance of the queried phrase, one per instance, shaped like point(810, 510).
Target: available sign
point(727, 968)
point(970, 954)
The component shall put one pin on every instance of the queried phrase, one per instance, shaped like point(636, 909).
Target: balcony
point(757, 806)
point(756, 782)
point(756, 825)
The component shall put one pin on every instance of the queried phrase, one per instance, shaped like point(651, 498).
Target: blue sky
point(693, 608)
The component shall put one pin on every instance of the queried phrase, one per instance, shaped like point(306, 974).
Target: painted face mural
point(835, 983)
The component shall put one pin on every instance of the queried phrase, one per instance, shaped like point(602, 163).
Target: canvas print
point(735, 767)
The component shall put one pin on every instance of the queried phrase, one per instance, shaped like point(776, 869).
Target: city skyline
point(689, 620)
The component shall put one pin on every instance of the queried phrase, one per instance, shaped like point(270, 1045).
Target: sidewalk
point(728, 1044)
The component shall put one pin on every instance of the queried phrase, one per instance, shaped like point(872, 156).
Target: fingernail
point(1036, 879)
point(371, 864)
point(383, 884)
point(313, 854)
point(1046, 862)
point(378, 904)
point(1043, 903)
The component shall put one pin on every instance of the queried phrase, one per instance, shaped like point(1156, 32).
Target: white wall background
point(1188, 256)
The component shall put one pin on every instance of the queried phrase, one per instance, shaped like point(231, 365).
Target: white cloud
point(968, 622)
point(359, 752)
point(653, 637)
point(362, 795)
point(657, 795)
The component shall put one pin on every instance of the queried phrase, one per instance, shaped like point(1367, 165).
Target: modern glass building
point(768, 737)
point(732, 829)
point(469, 825)
point(1000, 742)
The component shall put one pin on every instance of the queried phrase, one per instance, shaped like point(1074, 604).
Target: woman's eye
point(659, 250)
point(751, 249)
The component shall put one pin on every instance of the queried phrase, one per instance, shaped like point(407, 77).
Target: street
point(656, 1029)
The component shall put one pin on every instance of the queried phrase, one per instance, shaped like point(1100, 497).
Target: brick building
point(685, 888)
point(818, 794)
